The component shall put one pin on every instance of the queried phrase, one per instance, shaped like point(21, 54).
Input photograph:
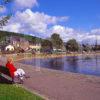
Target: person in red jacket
point(11, 67)
point(14, 72)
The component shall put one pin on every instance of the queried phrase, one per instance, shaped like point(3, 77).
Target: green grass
point(14, 92)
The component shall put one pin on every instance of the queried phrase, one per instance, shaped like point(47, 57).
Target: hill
point(4, 34)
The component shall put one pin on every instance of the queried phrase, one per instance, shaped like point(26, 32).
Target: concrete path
point(57, 85)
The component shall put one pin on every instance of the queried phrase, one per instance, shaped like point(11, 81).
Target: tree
point(56, 41)
point(86, 47)
point(46, 46)
point(4, 19)
point(72, 45)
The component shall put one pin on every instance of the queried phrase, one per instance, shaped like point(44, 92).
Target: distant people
point(14, 72)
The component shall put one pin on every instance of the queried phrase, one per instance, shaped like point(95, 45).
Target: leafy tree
point(46, 46)
point(87, 47)
point(72, 45)
point(56, 41)
point(4, 19)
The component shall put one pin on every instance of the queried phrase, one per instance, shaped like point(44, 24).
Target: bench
point(5, 71)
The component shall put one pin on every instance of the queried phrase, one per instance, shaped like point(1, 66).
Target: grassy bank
point(14, 92)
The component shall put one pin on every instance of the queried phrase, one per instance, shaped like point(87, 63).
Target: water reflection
point(56, 63)
point(72, 63)
point(77, 64)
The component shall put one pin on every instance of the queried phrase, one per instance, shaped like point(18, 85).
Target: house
point(9, 48)
point(15, 41)
point(2, 47)
point(62, 50)
point(19, 42)
point(35, 47)
point(24, 44)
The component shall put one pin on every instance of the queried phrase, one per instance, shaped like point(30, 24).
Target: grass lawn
point(14, 92)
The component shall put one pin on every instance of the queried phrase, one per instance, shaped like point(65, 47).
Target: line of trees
point(55, 42)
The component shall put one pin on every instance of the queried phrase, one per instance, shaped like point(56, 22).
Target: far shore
point(22, 56)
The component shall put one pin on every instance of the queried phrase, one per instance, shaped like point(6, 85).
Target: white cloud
point(26, 3)
point(35, 17)
point(14, 26)
point(67, 33)
point(95, 31)
point(32, 22)
point(43, 25)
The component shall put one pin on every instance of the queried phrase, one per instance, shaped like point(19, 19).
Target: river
point(89, 65)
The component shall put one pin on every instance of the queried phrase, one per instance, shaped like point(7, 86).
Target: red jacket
point(11, 68)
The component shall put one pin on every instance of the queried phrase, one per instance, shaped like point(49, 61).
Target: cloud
point(36, 17)
point(25, 3)
point(35, 23)
point(62, 30)
point(95, 31)
point(43, 25)
point(15, 26)
point(67, 33)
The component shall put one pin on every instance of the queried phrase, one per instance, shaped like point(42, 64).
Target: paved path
point(57, 85)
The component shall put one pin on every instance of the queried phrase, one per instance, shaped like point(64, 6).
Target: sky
point(78, 19)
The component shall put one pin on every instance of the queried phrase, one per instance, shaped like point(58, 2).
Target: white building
point(36, 47)
point(9, 48)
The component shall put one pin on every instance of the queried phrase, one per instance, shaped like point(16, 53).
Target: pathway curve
point(58, 85)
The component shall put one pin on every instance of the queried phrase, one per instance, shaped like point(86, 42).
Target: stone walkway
point(57, 85)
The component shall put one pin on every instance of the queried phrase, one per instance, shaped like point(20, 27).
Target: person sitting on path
point(14, 72)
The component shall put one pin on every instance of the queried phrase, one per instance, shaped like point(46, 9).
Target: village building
point(9, 48)
point(19, 42)
point(36, 47)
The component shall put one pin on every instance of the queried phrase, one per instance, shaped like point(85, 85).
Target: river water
point(78, 64)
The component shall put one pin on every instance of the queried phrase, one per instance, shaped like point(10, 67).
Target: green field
point(14, 92)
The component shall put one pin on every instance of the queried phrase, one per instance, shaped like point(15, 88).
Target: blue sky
point(83, 14)
point(79, 19)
